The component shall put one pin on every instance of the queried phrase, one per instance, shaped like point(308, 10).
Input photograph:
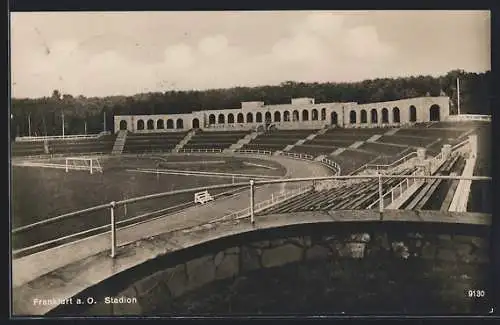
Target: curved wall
point(297, 115)
point(443, 260)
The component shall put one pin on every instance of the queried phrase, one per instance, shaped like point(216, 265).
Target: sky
point(125, 53)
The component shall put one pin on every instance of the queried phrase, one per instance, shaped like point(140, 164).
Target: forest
point(44, 116)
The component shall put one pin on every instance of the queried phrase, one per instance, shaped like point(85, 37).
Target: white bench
point(202, 197)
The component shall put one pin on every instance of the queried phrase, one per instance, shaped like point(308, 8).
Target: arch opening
point(277, 116)
point(230, 118)
point(160, 124)
point(286, 116)
point(413, 113)
point(268, 117)
point(170, 124)
point(151, 125)
point(249, 118)
point(295, 116)
point(314, 114)
point(211, 119)
point(305, 115)
point(258, 117)
point(180, 124)
point(385, 115)
point(323, 114)
point(239, 118)
point(196, 123)
point(352, 117)
point(123, 125)
point(335, 118)
point(221, 119)
point(396, 115)
point(374, 116)
point(435, 113)
point(364, 116)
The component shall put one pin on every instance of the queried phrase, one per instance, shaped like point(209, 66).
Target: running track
point(33, 266)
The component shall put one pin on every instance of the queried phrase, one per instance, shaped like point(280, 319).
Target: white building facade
point(301, 113)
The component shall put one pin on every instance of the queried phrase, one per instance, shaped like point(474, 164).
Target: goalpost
point(83, 163)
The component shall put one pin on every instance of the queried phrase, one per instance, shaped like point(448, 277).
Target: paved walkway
point(31, 267)
point(69, 281)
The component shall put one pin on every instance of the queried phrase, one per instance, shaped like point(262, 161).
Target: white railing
point(385, 167)
point(111, 227)
point(59, 137)
point(199, 150)
point(469, 117)
point(332, 164)
point(460, 145)
point(60, 155)
point(258, 152)
point(58, 166)
point(397, 190)
point(297, 155)
point(275, 199)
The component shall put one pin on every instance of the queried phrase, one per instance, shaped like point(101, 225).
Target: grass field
point(41, 193)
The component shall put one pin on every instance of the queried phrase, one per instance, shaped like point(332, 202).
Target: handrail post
point(380, 198)
point(252, 217)
point(113, 230)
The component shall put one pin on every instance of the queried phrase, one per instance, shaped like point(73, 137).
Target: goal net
point(83, 163)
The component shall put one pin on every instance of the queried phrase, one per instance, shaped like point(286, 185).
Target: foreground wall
point(446, 251)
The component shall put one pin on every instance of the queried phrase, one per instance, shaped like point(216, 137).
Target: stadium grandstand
point(352, 157)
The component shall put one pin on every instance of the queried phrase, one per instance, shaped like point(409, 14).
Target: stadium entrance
point(334, 117)
point(434, 113)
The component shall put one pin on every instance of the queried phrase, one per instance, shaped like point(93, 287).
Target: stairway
point(374, 138)
point(356, 145)
point(241, 142)
point(391, 131)
point(119, 143)
point(185, 140)
point(308, 138)
point(338, 151)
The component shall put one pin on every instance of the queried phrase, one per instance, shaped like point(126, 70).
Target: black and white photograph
point(250, 163)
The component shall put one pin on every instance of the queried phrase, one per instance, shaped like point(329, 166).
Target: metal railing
point(377, 167)
point(297, 155)
point(396, 191)
point(61, 137)
point(62, 155)
point(248, 212)
point(207, 150)
point(332, 164)
point(274, 200)
point(469, 117)
point(257, 152)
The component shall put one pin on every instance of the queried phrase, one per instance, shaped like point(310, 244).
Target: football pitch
point(42, 193)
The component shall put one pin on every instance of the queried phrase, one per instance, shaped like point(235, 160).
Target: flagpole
point(29, 124)
point(458, 95)
point(62, 113)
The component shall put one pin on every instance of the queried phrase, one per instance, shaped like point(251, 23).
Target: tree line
point(44, 116)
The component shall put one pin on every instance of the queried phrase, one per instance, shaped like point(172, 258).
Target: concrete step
point(356, 145)
point(391, 132)
point(288, 147)
point(338, 151)
point(374, 138)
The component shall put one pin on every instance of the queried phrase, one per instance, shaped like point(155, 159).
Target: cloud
point(179, 56)
point(363, 43)
point(213, 45)
point(314, 46)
